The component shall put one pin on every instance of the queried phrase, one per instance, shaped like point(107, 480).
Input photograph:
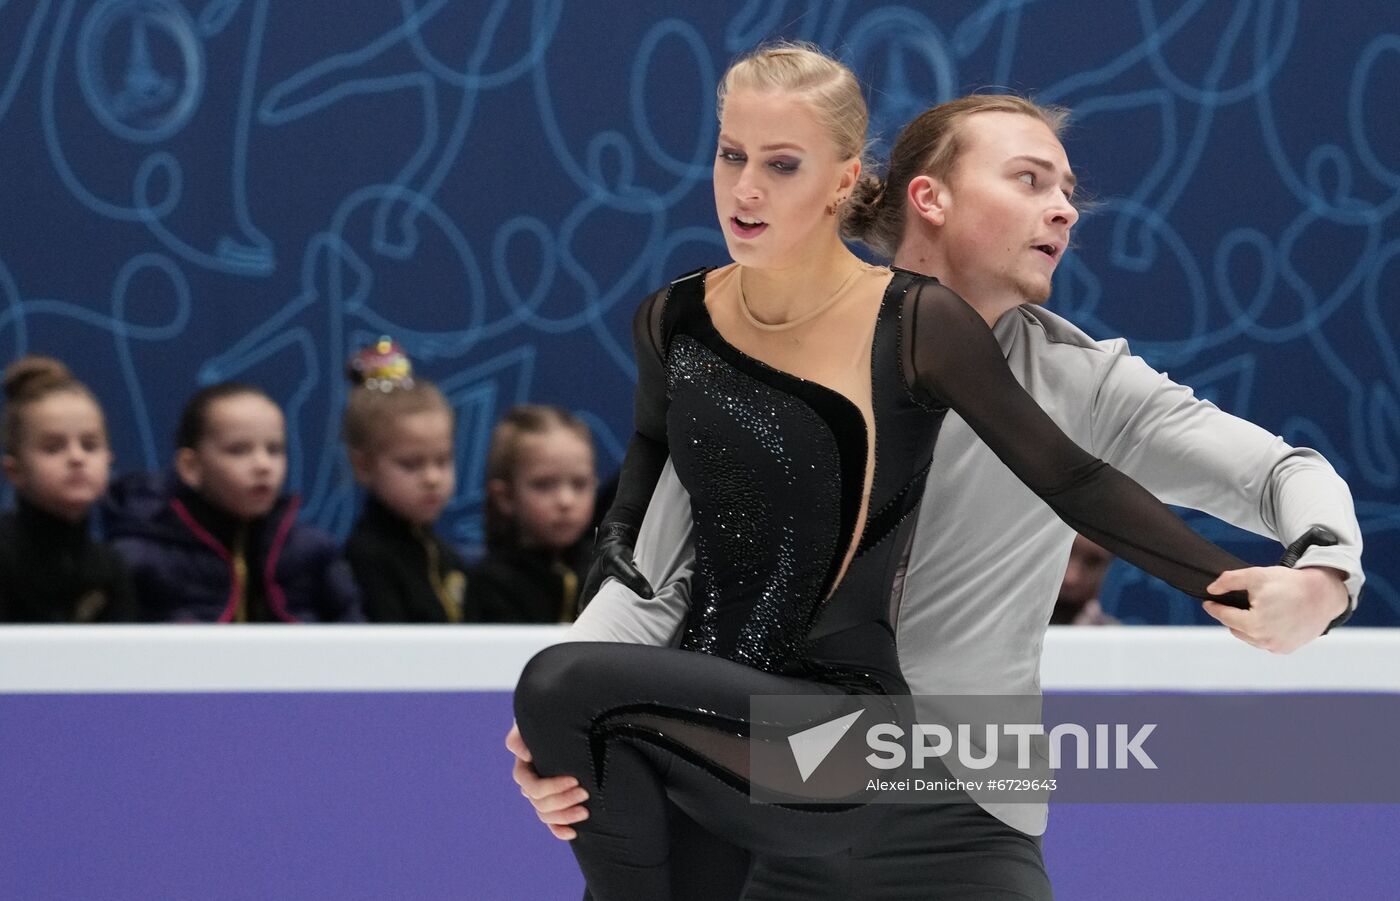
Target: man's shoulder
point(1043, 327)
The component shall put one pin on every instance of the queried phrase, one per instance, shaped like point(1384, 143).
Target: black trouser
point(920, 852)
point(947, 852)
point(644, 731)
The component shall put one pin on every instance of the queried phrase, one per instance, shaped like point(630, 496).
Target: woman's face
point(776, 171)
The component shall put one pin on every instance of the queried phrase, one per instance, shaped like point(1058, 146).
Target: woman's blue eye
point(1028, 178)
point(731, 156)
point(785, 165)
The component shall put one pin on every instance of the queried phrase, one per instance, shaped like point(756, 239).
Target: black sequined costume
point(776, 467)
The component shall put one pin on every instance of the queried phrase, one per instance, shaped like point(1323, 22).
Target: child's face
point(551, 495)
point(241, 462)
point(412, 469)
point(63, 460)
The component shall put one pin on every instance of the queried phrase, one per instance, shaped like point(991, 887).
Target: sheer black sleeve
point(646, 451)
point(951, 360)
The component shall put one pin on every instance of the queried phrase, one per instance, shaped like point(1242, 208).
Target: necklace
point(806, 317)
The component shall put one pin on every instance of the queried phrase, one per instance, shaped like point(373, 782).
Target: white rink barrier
point(179, 658)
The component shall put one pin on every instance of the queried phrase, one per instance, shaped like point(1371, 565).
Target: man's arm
point(1189, 452)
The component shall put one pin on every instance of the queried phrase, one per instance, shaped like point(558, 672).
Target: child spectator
point(398, 431)
point(57, 457)
point(218, 541)
point(540, 487)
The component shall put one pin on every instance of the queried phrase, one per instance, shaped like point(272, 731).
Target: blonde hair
point(368, 411)
point(520, 422)
point(929, 145)
point(28, 380)
point(801, 68)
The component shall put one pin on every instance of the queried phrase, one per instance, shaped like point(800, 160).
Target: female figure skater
point(799, 394)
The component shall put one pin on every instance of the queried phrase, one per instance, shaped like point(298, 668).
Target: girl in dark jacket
point(540, 490)
point(398, 431)
point(218, 541)
point(57, 457)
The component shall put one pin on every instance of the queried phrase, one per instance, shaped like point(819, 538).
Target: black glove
point(613, 556)
point(1317, 536)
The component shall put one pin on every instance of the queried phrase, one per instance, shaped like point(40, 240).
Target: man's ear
point(499, 493)
point(188, 468)
point(361, 462)
point(928, 198)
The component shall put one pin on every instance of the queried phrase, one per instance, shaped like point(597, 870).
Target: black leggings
point(657, 727)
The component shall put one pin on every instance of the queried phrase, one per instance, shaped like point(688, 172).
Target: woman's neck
point(778, 296)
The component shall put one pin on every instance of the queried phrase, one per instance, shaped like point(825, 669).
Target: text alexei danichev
point(959, 785)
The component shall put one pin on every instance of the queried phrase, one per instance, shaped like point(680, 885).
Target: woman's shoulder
point(718, 276)
point(705, 279)
point(661, 309)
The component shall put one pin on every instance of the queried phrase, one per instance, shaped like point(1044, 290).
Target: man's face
point(1007, 208)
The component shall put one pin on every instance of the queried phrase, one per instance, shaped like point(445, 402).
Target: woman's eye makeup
point(783, 164)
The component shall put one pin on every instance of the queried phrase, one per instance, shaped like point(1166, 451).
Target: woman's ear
point(928, 198)
point(189, 468)
point(499, 494)
point(850, 175)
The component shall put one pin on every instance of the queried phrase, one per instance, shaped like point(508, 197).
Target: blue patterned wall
point(246, 189)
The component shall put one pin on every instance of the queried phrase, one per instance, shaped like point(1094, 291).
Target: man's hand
point(558, 801)
point(1287, 607)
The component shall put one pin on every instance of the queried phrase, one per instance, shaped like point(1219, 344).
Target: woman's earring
point(835, 205)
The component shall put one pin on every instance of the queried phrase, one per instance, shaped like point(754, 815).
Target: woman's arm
point(950, 359)
point(646, 456)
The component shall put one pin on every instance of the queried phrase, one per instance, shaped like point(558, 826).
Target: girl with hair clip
point(398, 432)
point(217, 541)
point(799, 394)
point(540, 489)
point(57, 457)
